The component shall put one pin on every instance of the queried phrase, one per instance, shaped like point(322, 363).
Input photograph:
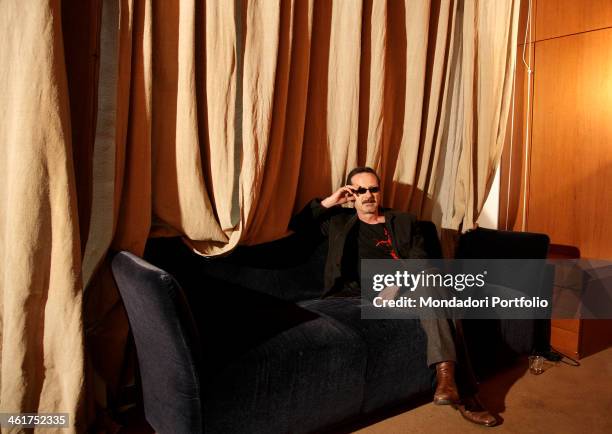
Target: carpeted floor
point(563, 399)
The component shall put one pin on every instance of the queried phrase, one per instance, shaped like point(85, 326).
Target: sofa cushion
point(298, 380)
point(396, 353)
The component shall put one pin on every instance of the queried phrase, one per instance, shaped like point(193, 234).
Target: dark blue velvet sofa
point(244, 344)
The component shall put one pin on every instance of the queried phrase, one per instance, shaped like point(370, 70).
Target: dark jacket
point(336, 223)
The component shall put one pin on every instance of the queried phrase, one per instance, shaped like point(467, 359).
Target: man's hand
point(390, 293)
point(341, 196)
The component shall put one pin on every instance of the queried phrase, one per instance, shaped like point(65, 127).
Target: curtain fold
point(281, 169)
point(40, 253)
point(486, 64)
point(216, 121)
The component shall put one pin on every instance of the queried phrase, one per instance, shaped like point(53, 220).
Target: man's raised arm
point(318, 212)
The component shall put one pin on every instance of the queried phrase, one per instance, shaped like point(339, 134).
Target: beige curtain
point(40, 258)
point(217, 121)
point(250, 109)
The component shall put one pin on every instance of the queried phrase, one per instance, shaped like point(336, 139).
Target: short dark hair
point(362, 169)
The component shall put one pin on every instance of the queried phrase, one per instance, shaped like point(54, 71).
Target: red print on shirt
point(389, 244)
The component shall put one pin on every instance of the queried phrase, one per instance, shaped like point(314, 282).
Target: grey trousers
point(446, 342)
point(440, 341)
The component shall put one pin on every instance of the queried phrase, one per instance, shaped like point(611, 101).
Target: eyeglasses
point(362, 190)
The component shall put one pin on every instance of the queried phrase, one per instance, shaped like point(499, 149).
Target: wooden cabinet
point(577, 337)
point(580, 337)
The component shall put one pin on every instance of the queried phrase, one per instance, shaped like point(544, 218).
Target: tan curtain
point(40, 256)
point(216, 121)
point(253, 108)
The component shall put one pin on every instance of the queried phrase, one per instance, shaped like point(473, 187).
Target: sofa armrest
point(167, 344)
point(512, 337)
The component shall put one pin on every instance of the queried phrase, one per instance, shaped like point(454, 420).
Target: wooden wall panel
point(524, 19)
point(570, 160)
point(570, 189)
point(565, 17)
point(513, 155)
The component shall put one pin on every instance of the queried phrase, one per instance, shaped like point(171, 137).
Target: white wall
point(489, 217)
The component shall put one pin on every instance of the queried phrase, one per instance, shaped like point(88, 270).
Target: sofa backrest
point(484, 243)
point(489, 246)
point(290, 268)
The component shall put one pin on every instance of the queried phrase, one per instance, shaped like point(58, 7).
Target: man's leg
point(470, 407)
point(443, 347)
point(466, 379)
point(445, 352)
point(441, 354)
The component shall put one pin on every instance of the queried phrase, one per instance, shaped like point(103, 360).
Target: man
point(358, 228)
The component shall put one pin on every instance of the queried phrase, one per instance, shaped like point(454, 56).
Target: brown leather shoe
point(472, 409)
point(446, 391)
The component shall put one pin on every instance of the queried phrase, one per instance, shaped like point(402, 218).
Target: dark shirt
point(375, 242)
point(364, 241)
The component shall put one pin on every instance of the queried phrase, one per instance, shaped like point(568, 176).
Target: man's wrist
point(325, 203)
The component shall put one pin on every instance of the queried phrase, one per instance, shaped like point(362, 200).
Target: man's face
point(367, 202)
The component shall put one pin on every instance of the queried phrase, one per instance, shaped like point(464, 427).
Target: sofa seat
point(301, 379)
point(281, 366)
point(396, 353)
